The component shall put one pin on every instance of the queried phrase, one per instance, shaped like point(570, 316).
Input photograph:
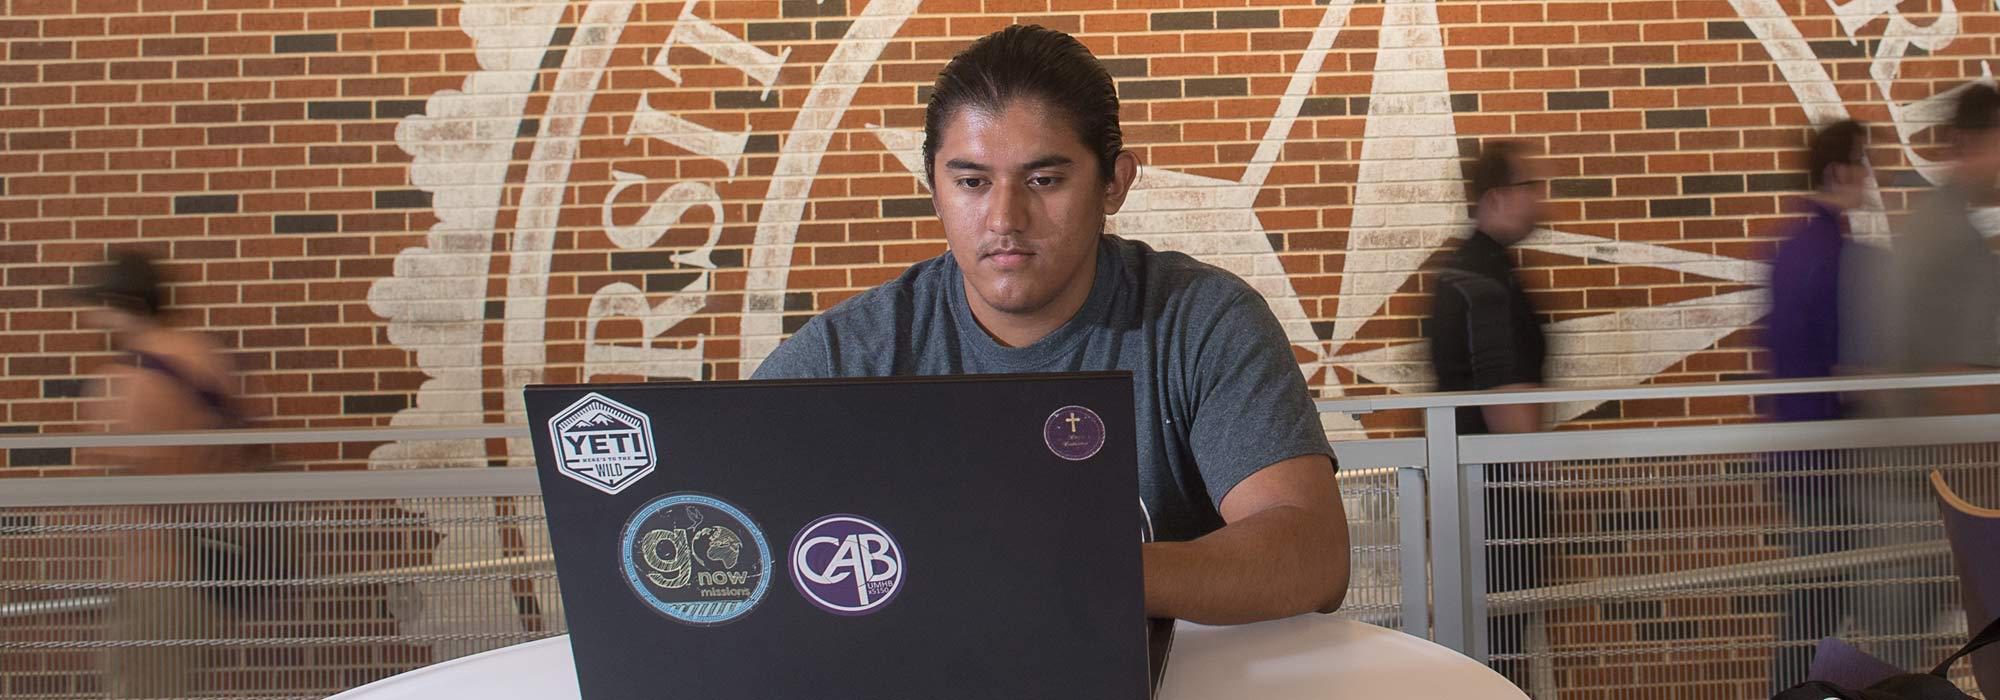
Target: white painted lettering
point(702, 35)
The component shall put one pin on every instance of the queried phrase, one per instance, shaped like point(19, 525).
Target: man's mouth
point(1009, 257)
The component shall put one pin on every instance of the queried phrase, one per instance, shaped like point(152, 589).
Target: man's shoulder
point(1168, 274)
point(1807, 241)
point(1473, 286)
point(885, 303)
point(1948, 199)
point(1939, 218)
point(859, 336)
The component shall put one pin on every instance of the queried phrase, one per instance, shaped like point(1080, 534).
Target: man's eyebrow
point(1048, 161)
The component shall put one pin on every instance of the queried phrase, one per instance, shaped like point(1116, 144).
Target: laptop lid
point(880, 538)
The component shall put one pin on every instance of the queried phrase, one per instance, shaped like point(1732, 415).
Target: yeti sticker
point(603, 443)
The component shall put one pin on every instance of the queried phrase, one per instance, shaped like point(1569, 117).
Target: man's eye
point(971, 182)
point(1043, 181)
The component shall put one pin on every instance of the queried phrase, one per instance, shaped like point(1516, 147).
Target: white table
point(1309, 657)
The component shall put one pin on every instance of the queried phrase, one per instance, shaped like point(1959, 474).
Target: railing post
point(1411, 552)
point(1449, 614)
point(1472, 480)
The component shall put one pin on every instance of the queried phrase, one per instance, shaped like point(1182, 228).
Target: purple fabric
point(1803, 330)
point(1847, 666)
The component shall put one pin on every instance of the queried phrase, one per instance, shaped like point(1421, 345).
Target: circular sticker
point(696, 559)
point(847, 565)
point(1074, 433)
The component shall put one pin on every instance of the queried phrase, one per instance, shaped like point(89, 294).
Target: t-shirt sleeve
point(803, 356)
point(1253, 409)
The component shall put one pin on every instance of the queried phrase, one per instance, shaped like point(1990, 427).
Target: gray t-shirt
point(1218, 393)
point(1950, 287)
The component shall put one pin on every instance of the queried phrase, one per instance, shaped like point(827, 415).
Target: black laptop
point(938, 537)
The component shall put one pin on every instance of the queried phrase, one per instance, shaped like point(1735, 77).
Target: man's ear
point(1124, 172)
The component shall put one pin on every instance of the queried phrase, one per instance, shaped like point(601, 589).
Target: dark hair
point(1840, 143)
point(128, 281)
point(1033, 63)
point(1492, 169)
point(1978, 110)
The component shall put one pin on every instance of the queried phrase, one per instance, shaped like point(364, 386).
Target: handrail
point(515, 564)
point(1349, 405)
point(264, 436)
point(1744, 438)
point(255, 487)
point(1603, 590)
point(1455, 399)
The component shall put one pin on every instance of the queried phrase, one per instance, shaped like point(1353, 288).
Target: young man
point(1804, 331)
point(1950, 278)
point(1949, 301)
point(1811, 333)
point(1025, 160)
point(1485, 335)
point(171, 379)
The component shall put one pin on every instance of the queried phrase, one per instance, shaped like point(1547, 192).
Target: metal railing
point(383, 571)
point(1416, 505)
point(1627, 590)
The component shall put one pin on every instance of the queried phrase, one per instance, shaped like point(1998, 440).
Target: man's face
point(1022, 204)
point(1847, 184)
point(1510, 213)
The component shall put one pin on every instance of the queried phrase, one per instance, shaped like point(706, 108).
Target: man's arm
point(1283, 552)
point(1513, 418)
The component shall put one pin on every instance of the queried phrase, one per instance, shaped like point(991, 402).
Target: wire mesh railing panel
point(1716, 575)
point(1374, 591)
point(299, 599)
point(305, 599)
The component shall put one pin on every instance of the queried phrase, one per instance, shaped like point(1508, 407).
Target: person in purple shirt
point(1806, 336)
point(1803, 331)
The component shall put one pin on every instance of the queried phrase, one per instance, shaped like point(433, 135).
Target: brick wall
point(402, 213)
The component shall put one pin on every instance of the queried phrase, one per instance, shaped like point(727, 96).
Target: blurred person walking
point(1485, 334)
point(1945, 300)
point(168, 380)
point(1824, 286)
point(1947, 311)
point(1950, 280)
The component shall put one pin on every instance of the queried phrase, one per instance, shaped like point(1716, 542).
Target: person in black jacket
point(1486, 335)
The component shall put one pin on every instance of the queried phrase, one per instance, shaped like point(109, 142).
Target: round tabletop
point(1316, 656)
point(1305, 657)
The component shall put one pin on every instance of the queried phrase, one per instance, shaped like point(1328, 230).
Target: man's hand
point(1283, 552)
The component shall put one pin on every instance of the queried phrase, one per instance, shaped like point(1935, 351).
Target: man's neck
point(1025, 329)
point(1501, 241)
point(1829, 202)
point(1016, 331)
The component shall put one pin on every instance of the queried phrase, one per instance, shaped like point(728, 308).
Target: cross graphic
point(1072, 420)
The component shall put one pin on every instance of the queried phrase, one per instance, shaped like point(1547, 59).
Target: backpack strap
point(1986, 636)
point(217, 402)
